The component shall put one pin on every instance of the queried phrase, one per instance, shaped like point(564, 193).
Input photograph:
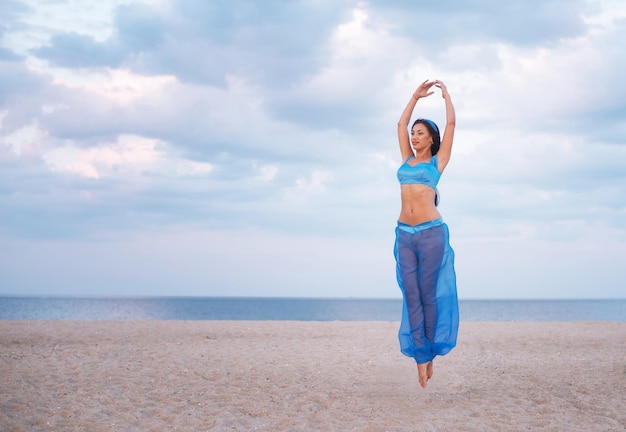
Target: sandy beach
point(307, 376)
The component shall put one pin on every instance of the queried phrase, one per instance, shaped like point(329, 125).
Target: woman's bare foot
point(422, 370)
point(429, 370)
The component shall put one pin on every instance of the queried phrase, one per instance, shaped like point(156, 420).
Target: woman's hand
point(444, 91)
point(423, 89)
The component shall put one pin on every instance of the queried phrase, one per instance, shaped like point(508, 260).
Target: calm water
point(215, 308)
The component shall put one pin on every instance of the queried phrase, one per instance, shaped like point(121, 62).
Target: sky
point(248, 148)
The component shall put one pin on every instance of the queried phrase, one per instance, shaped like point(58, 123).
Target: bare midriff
point(418, 204)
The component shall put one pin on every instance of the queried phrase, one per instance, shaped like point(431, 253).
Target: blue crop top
point(426, 173)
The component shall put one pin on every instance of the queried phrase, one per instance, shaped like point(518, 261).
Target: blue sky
point(248, 148)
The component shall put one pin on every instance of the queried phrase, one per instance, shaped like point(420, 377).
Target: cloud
point(125, 116)
point(138, 30)
point(75, 50)
point(531, 23)
point(7, 55)
point(18, 86)
point(274, 44)
point(129, 155)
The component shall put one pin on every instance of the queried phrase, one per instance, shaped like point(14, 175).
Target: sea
point(298, 309)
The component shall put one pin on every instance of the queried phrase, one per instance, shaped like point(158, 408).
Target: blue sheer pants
point(426, 276)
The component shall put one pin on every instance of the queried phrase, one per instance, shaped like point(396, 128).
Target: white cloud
point(25, 141)
point(307, 189)
point(118, 85)
point(361, 51)
point(315, 183)
point(128, 156)
point(237, 118)
point(267, 172)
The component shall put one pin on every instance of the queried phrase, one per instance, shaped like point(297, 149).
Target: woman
point(424, 258)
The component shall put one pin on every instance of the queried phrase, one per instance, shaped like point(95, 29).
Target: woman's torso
point(418, 181)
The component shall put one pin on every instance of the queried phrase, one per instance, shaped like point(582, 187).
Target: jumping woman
point(424, 258)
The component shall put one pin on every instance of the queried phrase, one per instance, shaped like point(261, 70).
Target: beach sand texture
point(307, 376)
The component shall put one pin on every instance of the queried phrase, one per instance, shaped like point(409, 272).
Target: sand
point(307, 376)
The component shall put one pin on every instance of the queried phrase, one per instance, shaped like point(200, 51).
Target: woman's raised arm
point(445, 151)
point(422, 91)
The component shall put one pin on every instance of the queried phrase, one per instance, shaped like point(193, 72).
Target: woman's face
point(420, 137)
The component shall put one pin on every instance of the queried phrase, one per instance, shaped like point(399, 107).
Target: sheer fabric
point(426, 276)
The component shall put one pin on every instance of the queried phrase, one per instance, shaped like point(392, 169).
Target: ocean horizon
point(293, 308)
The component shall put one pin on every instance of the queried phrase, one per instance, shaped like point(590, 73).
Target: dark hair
point(434, 133)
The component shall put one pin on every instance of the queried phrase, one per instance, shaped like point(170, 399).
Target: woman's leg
point(430, 256)
point(419, 257)
point(407, 267)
